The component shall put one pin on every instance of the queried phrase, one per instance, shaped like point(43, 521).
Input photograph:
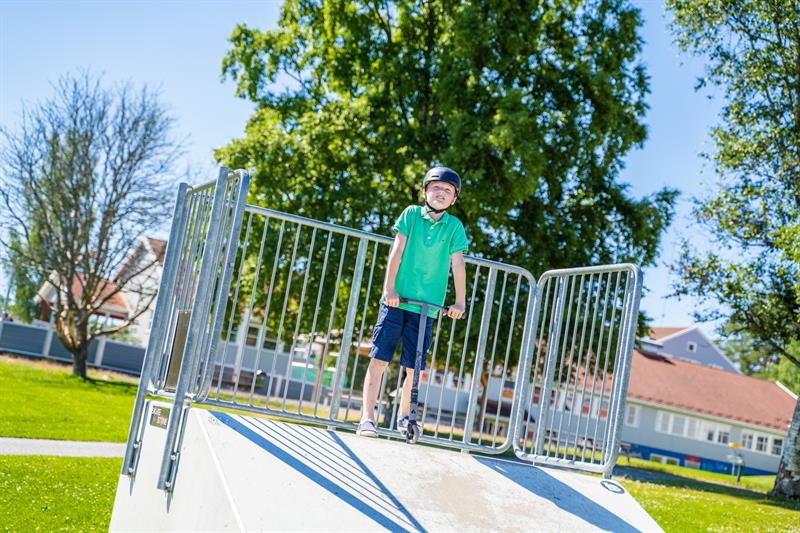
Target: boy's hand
point(456, 311)
point(391, 298)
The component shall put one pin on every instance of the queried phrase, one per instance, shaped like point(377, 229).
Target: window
point(662, 422)
point(678, 425)
point(777, 446)
point(761, 443)
point(747, 440)
point(723, 436)
point(663, 459)
point(709, 431)
point(691, 429)
point(691, 347)
point(632, 416)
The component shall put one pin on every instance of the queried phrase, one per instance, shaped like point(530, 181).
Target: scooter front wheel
point(413, 433)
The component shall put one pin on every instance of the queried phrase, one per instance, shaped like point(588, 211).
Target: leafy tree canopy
point(534, 104)
point(752, 275)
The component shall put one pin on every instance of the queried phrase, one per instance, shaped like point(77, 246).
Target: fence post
point(48, 340)
point(101, 350)
point(197, 326)
point(352, 306)
point(155, 342)
point(477, 370)
point(617, 414)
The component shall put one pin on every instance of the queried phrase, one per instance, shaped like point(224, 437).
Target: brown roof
point(104, 289)
point(712, 391)
point(159, 247)
point(660, 333)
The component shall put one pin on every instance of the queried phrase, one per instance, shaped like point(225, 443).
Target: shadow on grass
point(672, 480)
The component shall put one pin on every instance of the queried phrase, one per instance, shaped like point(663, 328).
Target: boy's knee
point(378, 365)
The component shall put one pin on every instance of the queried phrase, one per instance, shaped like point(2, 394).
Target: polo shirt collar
point(427, 216)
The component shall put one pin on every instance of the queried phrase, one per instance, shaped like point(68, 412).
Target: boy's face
point(440, 194)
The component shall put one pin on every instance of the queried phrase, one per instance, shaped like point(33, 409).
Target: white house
point(142, 270)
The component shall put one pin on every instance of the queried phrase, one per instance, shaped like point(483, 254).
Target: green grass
point(45, 401)
point(696, 500)
point(757, 483)
point(57, 493)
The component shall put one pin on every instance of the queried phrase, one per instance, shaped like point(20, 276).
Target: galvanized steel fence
point(272, 313)
point(579, 369)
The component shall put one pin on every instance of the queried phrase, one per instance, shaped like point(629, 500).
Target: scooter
point(414, 429)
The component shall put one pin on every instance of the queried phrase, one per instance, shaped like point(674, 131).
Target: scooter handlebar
point(420, 302)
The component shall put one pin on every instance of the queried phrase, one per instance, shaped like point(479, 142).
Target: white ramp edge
point(243, 473)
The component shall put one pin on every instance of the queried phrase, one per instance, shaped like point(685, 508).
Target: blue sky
point(178, 47)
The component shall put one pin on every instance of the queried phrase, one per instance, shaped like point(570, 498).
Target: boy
point(428, 242)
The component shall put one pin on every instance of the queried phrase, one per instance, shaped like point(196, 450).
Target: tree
point(83, 180)
point(757, 359)
point(752, 277)
point(25, 283)
point(534, 104)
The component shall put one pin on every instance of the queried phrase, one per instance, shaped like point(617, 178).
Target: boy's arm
point(460, 281)
point(390, 297)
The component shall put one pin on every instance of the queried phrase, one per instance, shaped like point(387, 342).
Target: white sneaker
point(402, 425)
point(367, 429)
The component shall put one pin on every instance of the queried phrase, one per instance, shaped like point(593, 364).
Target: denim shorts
point(395, 324)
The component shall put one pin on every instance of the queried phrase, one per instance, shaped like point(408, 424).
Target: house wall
point(645, 439)
point(147, 282)
point(706, 353)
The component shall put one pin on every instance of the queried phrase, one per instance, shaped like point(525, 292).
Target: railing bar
point(444, 380)
point(541, 328)
point(561, 369)
point(432, 369)
point(309, 262)
point(233, 314)
point(587, 365)
point(490, 366)
point(265, 321)
point(290, 355)
point(360, 336)
point(578, 364)
point(605, 369)
point(505, 367)
point(333, 311)
point(461, 368)
point(318, 376)
point(597, 357)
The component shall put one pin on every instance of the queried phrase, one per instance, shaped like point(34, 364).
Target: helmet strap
point(432, 209)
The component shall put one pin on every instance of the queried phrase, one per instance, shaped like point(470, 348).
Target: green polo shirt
point(425, 265)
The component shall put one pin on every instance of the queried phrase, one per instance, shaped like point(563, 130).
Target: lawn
point(52, 493)
point(57, 493)
point(684, 499)
point(44, 400)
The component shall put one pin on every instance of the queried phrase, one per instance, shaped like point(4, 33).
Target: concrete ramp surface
point(251, 474)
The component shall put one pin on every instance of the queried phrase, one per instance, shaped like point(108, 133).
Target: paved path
point(66, 448)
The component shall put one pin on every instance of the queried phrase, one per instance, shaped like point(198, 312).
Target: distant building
point(682, 412)
point(142, 269)
point(688, 343)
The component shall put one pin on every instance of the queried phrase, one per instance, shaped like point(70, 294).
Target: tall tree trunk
point(79, 359)
point(787, 482)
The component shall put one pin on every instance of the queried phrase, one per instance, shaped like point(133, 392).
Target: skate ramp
point(242, 473)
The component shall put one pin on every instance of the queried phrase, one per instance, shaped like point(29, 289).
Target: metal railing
point(579, 370)
point(298, 332)
point(267, 312)
point(186, 321)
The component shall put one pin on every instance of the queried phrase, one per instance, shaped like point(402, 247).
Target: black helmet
point(445, 174)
